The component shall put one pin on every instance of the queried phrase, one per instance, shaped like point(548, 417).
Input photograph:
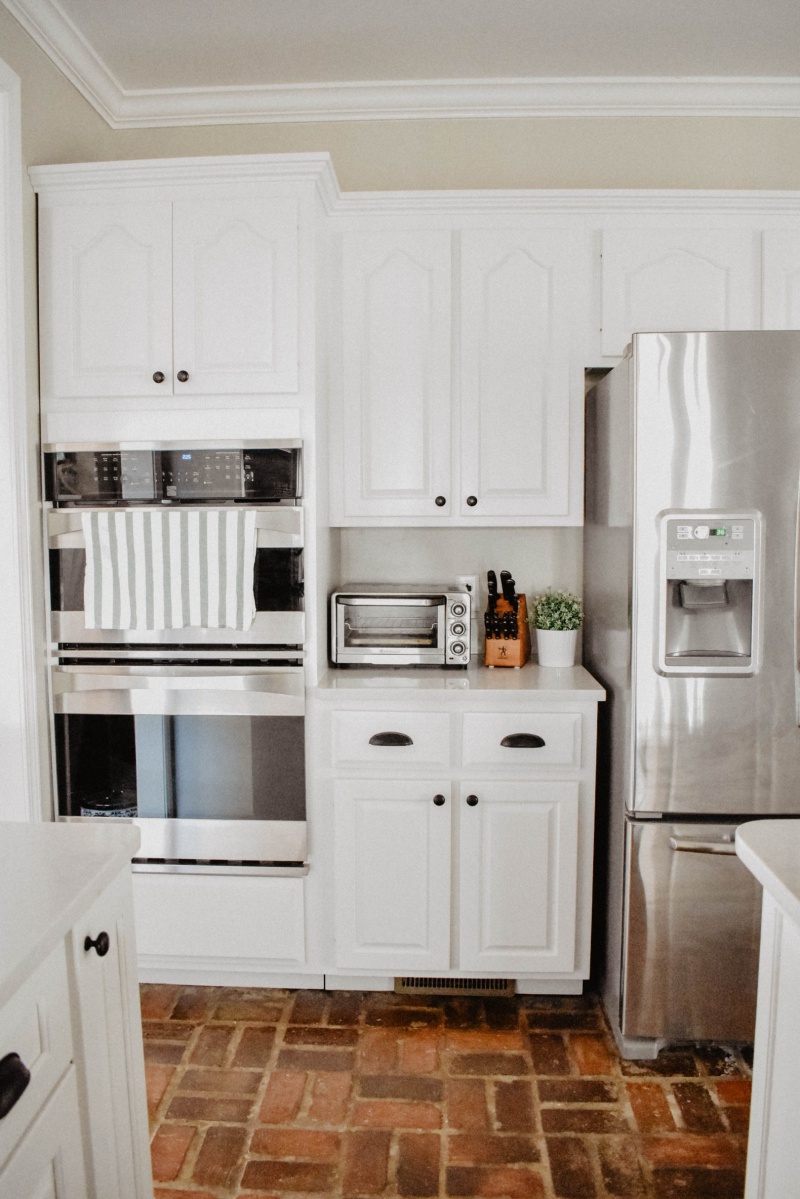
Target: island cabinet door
point(518, 851)
point(109, 1055)
point(392, 880)
point(48, 1162)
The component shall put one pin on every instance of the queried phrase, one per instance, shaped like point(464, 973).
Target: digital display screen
point(718, 532)
point(186, 457)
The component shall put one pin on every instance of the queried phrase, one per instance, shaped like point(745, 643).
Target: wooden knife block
point(502, 652)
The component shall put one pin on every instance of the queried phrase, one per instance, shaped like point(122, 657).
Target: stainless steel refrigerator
point(691, 595)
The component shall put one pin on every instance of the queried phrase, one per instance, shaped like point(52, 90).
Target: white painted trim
point(224, 972)
point(19, 751)
point(407, 99)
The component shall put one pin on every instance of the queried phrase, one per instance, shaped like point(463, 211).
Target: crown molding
point(479, 99)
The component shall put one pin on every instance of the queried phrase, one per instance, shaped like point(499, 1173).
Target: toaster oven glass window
point(390, 626)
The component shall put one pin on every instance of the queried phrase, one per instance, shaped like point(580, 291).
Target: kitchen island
point(771, 851)
point(72, 1090)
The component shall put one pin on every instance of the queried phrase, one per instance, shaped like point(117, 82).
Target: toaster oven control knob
point(158, 377)
point(458, 629)
point(438, 800)
point(458, 648)
point(459, 609)
point(440, 501)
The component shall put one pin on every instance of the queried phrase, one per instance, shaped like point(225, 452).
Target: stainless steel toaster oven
point(381, 625)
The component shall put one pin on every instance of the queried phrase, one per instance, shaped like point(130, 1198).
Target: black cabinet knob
point(440, 501)
point(438, 800)
point(183, 376)
point(14, 1078)
point(101, 944)
point(390, 739)
point(472, 500)
point(472, 801)
point(158, 377)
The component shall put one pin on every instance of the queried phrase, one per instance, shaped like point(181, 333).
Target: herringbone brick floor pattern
point(259, 1093)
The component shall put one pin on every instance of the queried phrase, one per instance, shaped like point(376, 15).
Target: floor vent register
point(455, 986)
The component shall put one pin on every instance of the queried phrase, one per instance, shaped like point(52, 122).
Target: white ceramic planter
point(556, 646)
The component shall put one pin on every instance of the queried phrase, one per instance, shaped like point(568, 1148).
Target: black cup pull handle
point(14, 1078)
point(523, 741)
point(390, 739)
point(101, 944)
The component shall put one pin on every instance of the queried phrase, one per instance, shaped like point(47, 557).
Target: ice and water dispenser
point(709, 593)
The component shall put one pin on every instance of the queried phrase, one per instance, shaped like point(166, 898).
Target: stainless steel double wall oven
point(197, 733)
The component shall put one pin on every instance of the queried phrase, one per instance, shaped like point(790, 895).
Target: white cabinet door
point(392, 875)
point(106, 299)
point(236, 316)
point(518, 292)
point(518, 876)
point(396, 374)
point(781, 279)
point(109, 1058)
point(677, 280)
point(48, 1162)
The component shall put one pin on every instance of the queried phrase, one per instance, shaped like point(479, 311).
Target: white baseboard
point(222, 972)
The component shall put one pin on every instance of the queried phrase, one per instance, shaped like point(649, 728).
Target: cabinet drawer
point(390, 738)
point(35, 1024)
point(531, 740)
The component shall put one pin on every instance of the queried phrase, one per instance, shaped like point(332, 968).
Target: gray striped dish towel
point(170, 569)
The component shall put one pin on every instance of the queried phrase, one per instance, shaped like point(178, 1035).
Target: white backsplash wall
point(537, 558)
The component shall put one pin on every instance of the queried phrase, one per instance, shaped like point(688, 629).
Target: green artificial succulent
point(560, 610)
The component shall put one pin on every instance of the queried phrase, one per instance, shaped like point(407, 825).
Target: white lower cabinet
point(479, 867)
point(518, 857)
point(392, 871)
point(48, 1162)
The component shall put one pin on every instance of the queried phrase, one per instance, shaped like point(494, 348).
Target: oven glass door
point(210, 766)
point(278, 587)
point(411, 627)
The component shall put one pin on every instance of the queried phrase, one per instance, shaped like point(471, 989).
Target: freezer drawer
point(691, 934)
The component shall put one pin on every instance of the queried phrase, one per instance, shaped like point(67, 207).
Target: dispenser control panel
point(710, 546)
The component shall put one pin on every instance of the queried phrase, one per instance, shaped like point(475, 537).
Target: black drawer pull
point(101, 943)
point(523, 741)
point(439, 800)
point(390, 739)
point(472, 801)
point(14, 1078)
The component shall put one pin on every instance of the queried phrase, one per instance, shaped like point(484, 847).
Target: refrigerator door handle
point(689, 845)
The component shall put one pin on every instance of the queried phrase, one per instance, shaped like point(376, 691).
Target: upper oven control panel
point(111, 475)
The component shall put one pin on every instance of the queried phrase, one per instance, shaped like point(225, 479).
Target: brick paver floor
point(263, 1093)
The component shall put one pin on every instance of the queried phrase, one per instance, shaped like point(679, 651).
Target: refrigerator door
point(692, 923)
point(717, 429)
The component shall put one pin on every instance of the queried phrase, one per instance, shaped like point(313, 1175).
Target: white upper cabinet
point(681, 279)
point(781, 279)
point(156, 298)
point(105, 299)
point(517, 292)
point(396, 374)
point(500, 442)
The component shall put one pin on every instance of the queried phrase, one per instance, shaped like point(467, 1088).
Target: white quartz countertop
point(540, 682)
point(49, 874)
point(770, 849)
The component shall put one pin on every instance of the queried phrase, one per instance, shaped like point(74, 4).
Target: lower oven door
point(209, 761)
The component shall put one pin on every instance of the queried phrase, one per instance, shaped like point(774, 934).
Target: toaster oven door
point(390, 630)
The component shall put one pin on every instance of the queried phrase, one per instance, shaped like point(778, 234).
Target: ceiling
point(190, 61)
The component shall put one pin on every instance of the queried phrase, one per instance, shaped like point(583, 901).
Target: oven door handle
point(176, 691)
point(395, 601)
point(280, 528)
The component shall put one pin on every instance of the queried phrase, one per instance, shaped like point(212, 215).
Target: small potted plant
point(556, 616)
